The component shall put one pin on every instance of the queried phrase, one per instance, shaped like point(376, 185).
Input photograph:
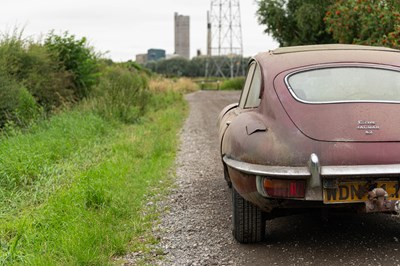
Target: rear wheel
point(248, 220)
point(226, 176)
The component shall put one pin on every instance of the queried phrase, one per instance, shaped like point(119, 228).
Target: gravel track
point(196, 228)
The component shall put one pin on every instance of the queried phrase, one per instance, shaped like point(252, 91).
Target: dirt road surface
point(196, 229)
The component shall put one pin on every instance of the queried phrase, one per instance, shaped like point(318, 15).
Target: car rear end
point(332, 137)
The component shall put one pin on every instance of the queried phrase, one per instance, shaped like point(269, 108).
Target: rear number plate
point(358, 192)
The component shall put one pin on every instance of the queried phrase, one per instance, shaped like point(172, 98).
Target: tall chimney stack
point(208, 34)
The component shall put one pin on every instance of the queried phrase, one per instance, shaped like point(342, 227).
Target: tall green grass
point(83, 143)
point(121, 94)
point(233, 84)
point(73, 190)
point(215, 83)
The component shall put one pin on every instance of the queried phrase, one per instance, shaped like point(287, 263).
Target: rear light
point(282, 188)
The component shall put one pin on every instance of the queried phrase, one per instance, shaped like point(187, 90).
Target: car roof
point(290, 58)
point(327, 47)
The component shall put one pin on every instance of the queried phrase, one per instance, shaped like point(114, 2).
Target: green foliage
point(160, 85)
point(50, 85)
point(37, 168)
point(24, 157)
point(196, 67)
point(233, 84)
point(295, 22)
point(73, 190)
point(370, 22)
point(133, 66)
point(76, 57)
point(72, 187)
point(29, 64)
point(298, 22)
point(27, 108)
point(174, 67)
point(18, 108)
point(26, 113)
point(9, 92)
point(121, 94)
point(164, 100)
point(220, 66)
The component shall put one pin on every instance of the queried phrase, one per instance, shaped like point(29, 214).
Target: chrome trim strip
point(386, 67)
point(304, 172)
point(370, 170)
point(267, 170)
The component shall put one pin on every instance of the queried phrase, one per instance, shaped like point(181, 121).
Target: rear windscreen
point(345, 84)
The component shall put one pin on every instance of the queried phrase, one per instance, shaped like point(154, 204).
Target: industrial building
point(182, 35)
point(141, 59)
point(155, 54)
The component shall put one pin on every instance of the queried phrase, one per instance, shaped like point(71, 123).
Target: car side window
point(251, 91)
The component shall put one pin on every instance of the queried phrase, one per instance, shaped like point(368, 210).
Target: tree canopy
point(300, 22)
point(197, 67)
point(370, 22)
point(295, 22)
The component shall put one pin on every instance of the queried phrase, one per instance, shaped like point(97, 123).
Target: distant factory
point(182, 42)
point(224, 40)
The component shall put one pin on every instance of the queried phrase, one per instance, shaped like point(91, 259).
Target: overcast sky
point(124, 28)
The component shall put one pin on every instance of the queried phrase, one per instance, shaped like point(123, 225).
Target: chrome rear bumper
point(313, 172)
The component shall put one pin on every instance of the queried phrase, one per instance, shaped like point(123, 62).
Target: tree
point(174, 67)
point(370, 22)
point(178, 67)
point(295, 22)
point(196, 67)
point(29, 64)
point(76, 57)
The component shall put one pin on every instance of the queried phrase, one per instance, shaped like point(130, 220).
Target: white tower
point(182, 35)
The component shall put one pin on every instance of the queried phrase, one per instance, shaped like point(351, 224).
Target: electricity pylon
point(224, 39)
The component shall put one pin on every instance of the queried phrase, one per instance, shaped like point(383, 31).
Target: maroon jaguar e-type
point(315, 127)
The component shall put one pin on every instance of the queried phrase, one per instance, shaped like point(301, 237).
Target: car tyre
point(226, 176)
point(248, 220)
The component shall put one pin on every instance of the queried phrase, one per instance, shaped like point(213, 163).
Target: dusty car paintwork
point(324, 144)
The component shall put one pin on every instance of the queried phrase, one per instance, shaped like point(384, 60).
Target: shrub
point(9, 92)
point(27, 111)
point(30, 64)
point(174, 67)
point(12, 54)
point(52, 86)
point(120, 94)
point(233, 84)
point(18, 108)
point(76, 57)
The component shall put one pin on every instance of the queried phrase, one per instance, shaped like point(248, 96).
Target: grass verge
point(74, 189)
